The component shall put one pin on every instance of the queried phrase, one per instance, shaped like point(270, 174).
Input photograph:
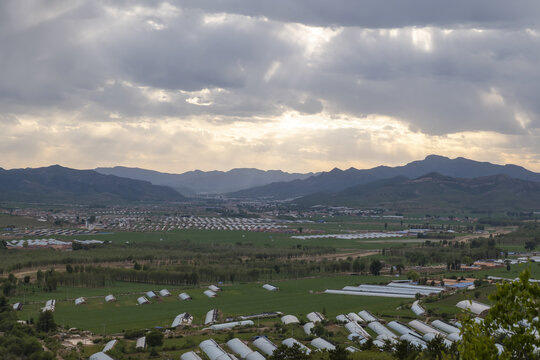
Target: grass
point(514, 272)
point(21, 222)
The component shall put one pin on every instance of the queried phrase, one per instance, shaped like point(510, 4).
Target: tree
point(46, 322)
point(154, 338)
point(399, 268)
point(467, 260)
point(404, 349)
point(339, 353)
point(284, 352)
point(413, 275)
point(531, 244)
point(69, 268)
point(375, 267)
point(436, 349)
point(512, 322)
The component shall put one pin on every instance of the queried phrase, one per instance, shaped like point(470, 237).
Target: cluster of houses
point(47, 243)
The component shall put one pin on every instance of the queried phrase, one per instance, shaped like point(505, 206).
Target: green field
point(21, 222)
point(257, 239)
point(297, 297)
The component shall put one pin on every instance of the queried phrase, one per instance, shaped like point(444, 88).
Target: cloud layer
point(300, 86)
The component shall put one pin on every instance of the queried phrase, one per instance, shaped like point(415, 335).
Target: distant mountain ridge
point(337, 180)
point(56, 184)
point(436, 191)
point(209, 182)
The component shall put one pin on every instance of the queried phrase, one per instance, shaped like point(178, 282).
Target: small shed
point(141, 343)
point(80, 301)
point(17, 306)
point(110, 298)
point(182, 319)
point(270, 287)
point(151, 294)
point(142, 300)
point(211, 317)
point(184, 296)
point(214, 288)
point(209, 293)
point(164, 292)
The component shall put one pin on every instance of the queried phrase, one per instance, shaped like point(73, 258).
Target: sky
point(305, 85)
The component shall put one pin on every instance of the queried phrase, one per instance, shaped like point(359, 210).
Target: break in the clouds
point(294, 85)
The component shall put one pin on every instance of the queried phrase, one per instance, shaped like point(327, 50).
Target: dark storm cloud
point(230, 60)
point(384, 13)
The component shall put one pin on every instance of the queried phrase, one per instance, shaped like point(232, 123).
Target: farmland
point(127, 264)
point(295, 297)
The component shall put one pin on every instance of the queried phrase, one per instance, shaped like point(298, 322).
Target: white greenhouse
point(80, 301)
point(367, 316)
point(290, 342)
point(402, 329)
point(365, 293)
point(315, 317)
point(142, 300)
point(182, 319)
point(413, 340)
point(214, 288)
point(211, 317)
point(184, 296)
point(49, 305)
point(151, 294)
point(164, 292)
point(270, 287)
point(109, 345)
point(322, 344)
point(289, 319)
point(473, 306)
point(244, 351)
point(214, 351)
point(354, 317)
point(380, 329)
point(230, 325)
point(265, 345)
point(424, 328)
point(141, 343)
point(447, 328)
point(354, 328)
point(110, 298)
point(190, 356)
point(209, 293)
point(417, 309)
point(100, 356)
point(430, 336)
point(307, 327)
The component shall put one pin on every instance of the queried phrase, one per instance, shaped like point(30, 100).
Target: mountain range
point(206, 182)
point(436, 191)
point(435, 180)
point(337, 180)
point(56, 184)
